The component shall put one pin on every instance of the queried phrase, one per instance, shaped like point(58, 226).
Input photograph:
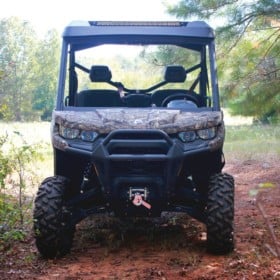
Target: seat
point(137, 100)
point(99, 98)
point(160, 95)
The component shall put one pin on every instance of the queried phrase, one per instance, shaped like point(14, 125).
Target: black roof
point(85, 34)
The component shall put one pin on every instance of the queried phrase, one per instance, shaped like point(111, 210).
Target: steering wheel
point(179, 96)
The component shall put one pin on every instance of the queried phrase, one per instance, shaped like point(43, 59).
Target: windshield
point(143, 70)
point(136, 67)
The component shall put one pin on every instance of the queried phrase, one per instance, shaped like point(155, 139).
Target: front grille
point(133, 142)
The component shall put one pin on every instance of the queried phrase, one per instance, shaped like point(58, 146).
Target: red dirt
point(168, 248)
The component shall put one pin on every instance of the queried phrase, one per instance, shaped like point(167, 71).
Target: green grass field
point(32, 133)
point(254, 142)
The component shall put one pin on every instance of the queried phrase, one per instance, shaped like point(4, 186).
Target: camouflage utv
point(137, 131)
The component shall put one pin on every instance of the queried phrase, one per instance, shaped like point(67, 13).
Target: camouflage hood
point(106, 120)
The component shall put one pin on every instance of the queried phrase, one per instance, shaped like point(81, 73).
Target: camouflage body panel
point(104, 121)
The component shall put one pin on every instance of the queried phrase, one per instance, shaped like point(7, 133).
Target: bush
point(15, 174)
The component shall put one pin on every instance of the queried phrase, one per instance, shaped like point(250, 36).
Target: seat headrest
point(175, 74)
point(100, 73)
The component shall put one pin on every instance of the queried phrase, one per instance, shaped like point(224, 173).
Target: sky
point(46, 14)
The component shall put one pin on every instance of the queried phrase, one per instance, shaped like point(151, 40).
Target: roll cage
point(197, 36)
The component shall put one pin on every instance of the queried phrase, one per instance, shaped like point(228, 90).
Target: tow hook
point(137, 195)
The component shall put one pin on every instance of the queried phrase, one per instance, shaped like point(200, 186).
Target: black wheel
point(220, 214)
point(54, 235)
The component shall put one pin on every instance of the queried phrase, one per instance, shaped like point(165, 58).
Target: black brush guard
point(145, 162)
point(139, 162)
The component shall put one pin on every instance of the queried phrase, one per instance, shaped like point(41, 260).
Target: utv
point(137, 131)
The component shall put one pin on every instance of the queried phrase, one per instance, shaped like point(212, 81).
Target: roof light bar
point(138, 23)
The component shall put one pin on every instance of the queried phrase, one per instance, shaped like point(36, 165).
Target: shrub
point(15, 175)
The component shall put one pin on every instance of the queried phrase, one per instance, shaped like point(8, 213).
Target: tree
point(28, 71)
point(251, 81)
point(248, 35)
point(16, 62)
point(47, 56)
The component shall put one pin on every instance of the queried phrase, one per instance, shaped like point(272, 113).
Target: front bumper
point(145, 159)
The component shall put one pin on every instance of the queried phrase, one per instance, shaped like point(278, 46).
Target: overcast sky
point(45, 15)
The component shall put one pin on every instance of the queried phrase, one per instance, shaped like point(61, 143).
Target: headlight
point(207, 134)
point(68, 133)
point(74, 133)
point(88, 135)
point(187, 136)
point(204, 134)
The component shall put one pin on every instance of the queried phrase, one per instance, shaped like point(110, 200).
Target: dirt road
point(168, 248)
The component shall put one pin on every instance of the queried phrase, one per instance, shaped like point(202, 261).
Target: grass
point(252, 142)
point(33, 133)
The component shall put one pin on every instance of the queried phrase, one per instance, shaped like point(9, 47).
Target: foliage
point(47, 63)
point(10, 227)
point(125, 63)
point(28, 66)
point(248, 35)
point(235, 16)
point(172, 55)
point(167, 54)
point(251, 80)
point(5, 168)
point(15, 157)
point(17, 61)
